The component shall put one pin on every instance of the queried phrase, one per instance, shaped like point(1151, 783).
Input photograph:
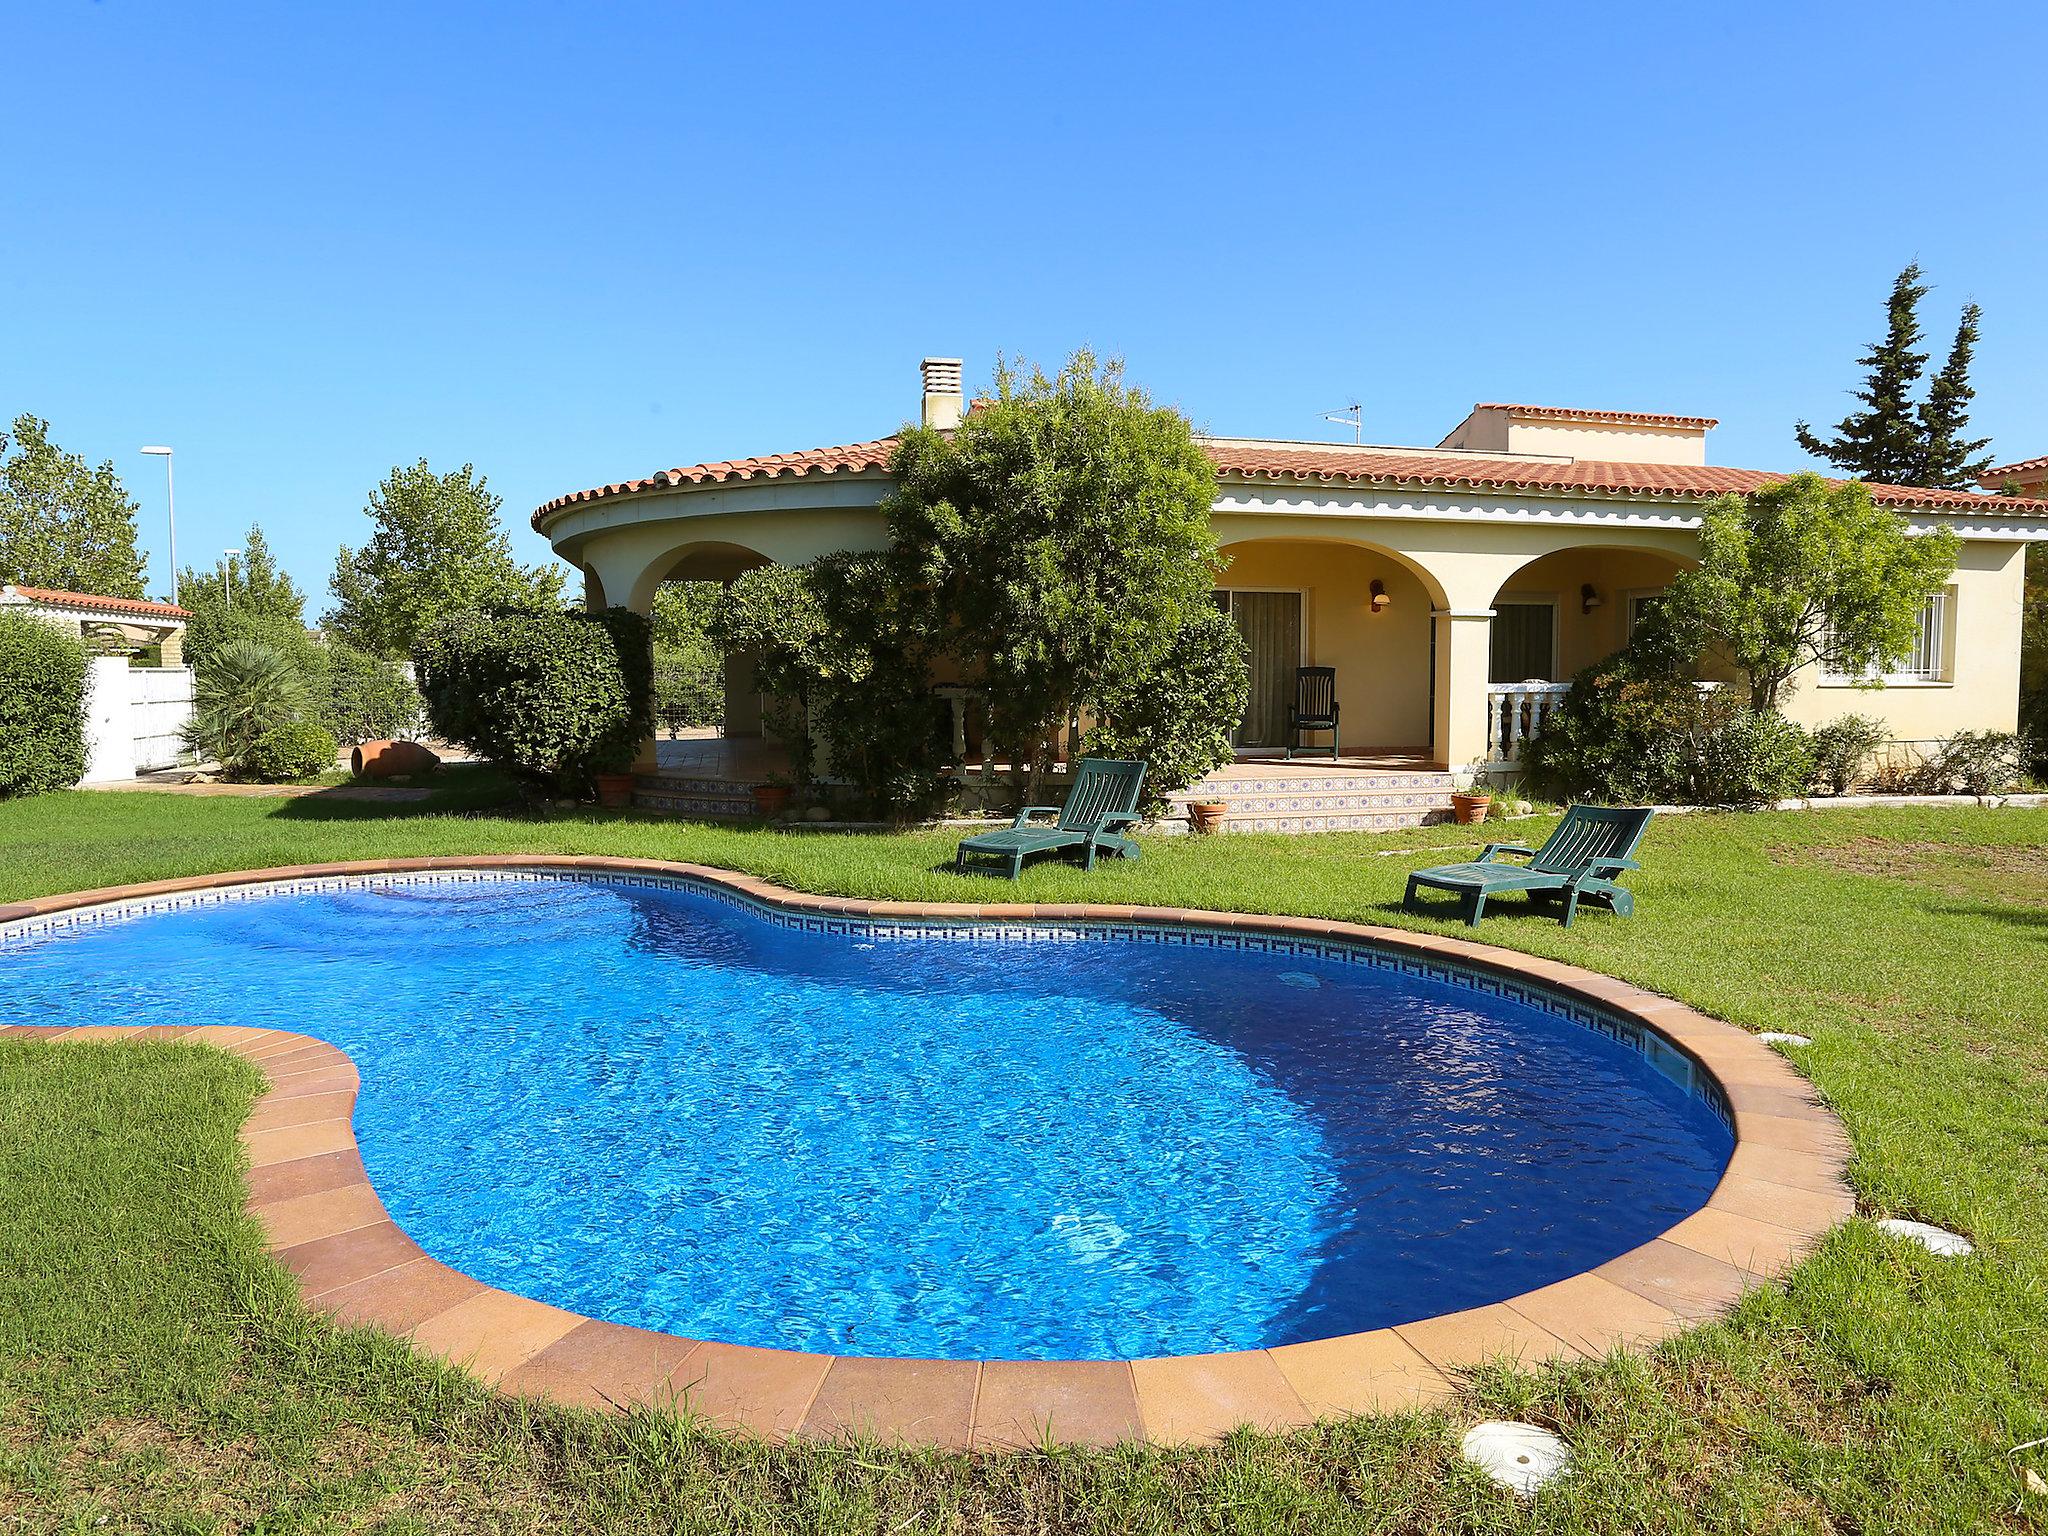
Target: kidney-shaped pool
point(659, 1105)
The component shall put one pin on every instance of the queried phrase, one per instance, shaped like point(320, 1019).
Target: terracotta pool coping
point(1782, 1190)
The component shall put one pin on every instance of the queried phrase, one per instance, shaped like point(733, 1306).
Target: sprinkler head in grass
point(1950, 1245)
point(1781, 1037)
point(1520, 1457)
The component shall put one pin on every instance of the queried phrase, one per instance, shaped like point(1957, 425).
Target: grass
point(158, 1373)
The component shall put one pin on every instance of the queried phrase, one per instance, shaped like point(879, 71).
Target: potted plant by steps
point(1469, 805)
point(1207, 815)
point(615, 790)
point(772, 798)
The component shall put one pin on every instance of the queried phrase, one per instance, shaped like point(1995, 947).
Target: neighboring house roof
point(2005, 472)
point(1627, 418)
point(1333, 461)
point(92, 602)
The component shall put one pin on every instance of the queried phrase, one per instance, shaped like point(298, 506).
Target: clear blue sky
point(577, 243)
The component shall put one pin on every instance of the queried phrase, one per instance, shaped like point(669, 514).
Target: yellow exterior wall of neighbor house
point(1987, 594)
point(1602, 442)
point(1382, 659)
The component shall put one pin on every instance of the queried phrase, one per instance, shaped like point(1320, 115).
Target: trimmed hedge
point(42, 706)
point(554, 697)
point(296, 750)
point(366, 698)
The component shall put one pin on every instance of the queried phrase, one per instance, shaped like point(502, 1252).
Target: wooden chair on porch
point(1314, 708)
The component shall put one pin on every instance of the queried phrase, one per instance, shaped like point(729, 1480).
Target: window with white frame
point(1926, 662)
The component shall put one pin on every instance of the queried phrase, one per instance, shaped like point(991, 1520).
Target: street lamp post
point(171, 504)
point(227, 573)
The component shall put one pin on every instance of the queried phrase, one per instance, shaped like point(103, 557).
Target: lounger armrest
point(1494, 848)
point(1611, 866)
point(1024, 816)
point(1117, 819)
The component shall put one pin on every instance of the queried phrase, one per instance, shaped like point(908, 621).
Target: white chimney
point(943, 401)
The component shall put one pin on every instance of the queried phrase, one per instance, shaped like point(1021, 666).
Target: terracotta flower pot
point(1207, 815)
point(1470, 808)
point(391, 759)
point(771, 800)
point(615, 790)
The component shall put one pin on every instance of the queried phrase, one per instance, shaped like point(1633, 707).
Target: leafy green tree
point(366, 698)
point(249, 581)
point(436, 550)
point(1179, 717)
point(1803, 572)
point(1063, 528)
point(2034, 656)
point(64, 524)
point(249, 600)
point(1954, 461)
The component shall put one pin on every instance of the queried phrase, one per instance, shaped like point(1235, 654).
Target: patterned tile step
point(682, 784)
point(1392, 800)
point(732, 807)
point(1336, 821)
point(1335, 784)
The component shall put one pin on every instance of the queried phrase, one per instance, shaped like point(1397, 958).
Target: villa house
point(1455, 589)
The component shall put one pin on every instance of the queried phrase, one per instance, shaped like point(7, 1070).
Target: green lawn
point(158, 1374)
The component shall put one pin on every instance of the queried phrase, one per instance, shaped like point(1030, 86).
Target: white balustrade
point(1515, 712)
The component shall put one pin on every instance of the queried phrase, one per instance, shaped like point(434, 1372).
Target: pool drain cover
point(1950, 1245)
point(1523, 1457)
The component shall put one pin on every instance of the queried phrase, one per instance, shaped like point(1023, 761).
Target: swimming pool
point(660, 1105)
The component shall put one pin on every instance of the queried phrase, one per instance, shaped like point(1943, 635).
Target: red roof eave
point(93, 602)
point(1349, 466)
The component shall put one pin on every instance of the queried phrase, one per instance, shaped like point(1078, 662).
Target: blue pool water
point(654, 1107)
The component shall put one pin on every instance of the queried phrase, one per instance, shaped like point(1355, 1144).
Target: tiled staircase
point(675, 794)
point(1340, 800)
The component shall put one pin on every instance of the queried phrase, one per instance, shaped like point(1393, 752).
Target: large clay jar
point(391, 759)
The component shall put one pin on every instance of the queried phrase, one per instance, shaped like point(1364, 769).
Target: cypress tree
point(1953, 461)
point(1882, 442)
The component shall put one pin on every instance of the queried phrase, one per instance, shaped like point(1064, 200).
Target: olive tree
point(1801, 572)
point(1062, 533)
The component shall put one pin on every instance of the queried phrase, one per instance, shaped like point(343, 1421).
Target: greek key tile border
point(1654, 1048)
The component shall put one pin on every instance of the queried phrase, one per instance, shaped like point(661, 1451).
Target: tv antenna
point(1352, 416)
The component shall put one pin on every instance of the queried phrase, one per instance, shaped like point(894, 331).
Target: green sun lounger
point(1591, 845)
point(1102, 802)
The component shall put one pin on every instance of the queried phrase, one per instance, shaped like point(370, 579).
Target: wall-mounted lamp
point(1589, 598)
point(1380, 599)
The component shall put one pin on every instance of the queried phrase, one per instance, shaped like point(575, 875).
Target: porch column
point(1464, 640)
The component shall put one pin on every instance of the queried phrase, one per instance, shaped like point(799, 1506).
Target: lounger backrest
point(1103, 786)
point(1315, 693)
point(1590, 832)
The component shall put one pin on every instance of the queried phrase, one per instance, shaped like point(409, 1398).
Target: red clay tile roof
point(2006, 472)
point(1681, 480)
point(1310, 461)
point(97, 604)
point(849, 457)
point(1633, 418)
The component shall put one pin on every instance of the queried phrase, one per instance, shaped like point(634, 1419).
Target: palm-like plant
point(245, 689)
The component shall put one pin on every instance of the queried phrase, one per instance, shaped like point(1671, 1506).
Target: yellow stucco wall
point(1382, 659)
point(1444, 573)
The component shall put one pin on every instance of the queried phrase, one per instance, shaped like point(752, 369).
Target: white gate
point(133, 718)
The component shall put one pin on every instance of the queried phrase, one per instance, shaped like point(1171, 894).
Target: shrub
point(1842, 750)
point(245, 690)
point(555, 697)
point(212, 630)
point(42, 706)
point(1732, 756)
point(1979, 763)
point(1179, 717)
point(367, 698)
point(1631, 731)
point(297, 749)
point(1599, 743)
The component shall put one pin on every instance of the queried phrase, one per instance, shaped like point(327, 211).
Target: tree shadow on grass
point(460, 789)
point(2031, 918)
